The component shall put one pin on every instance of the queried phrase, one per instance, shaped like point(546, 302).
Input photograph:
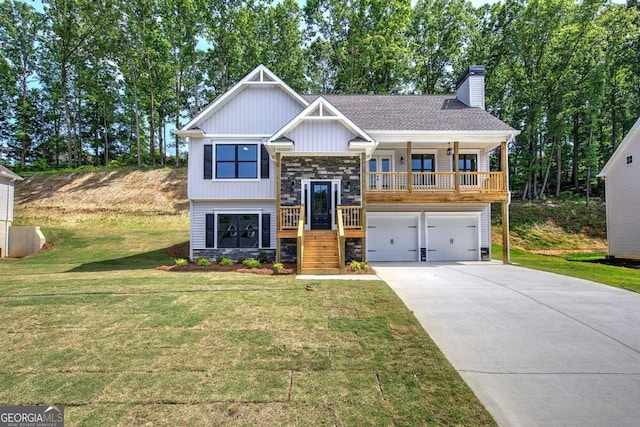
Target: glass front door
point(321, 206)
point(378, 180)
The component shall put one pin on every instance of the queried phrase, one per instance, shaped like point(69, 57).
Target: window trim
point(428, 151)
point(475, 152)
point(259, 212)
point(237, 144)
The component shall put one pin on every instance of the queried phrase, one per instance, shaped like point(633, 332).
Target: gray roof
point(6, 173)
point(413, 113)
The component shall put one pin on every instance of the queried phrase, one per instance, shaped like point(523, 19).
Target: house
point(622, 173)
point(7, 179)
point(324, 179)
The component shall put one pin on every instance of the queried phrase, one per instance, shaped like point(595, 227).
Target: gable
point(255, 110)
point(255, 105)
point(321, 128)
point(317, 136)
point(630, 146)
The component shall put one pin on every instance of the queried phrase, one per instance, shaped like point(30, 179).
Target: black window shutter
point(264, 162)
point(266, 230)
point(208, 161)
point(211, 235)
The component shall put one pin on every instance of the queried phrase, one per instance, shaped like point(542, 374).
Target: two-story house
point(325, 179)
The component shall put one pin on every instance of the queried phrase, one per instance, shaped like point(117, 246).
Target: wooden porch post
point(504, 166)
point(409, 172)
point(363, 202)
point(456, 166)
point(278, 190)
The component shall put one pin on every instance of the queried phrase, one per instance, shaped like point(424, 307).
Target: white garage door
point(392, 238)
point(452, 238)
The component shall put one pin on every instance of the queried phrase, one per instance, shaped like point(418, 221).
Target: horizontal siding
point(255, 110)
point(199, 210)
point(321, 136)
point(444, 162)
point(623, 203)
point(200, 188)
point(6, 200)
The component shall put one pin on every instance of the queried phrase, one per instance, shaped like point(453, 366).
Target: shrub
point(203, 262)
point(241, 260)
point(262, 257)
point(251, 263)
point(278, 266)
point(224, 261)
point(358, 265)
point(182, 261)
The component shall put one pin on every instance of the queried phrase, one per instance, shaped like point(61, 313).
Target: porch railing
point(290, 217)
point(341, 239)
point(432, 182)
point(351, 217)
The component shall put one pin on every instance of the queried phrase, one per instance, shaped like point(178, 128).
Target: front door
point(321, 206)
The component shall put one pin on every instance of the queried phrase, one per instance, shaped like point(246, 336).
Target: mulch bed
point(181, 250)
point(289, 268)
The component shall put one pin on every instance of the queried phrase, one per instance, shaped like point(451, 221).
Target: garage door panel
point(392, 238)
point(452, 238)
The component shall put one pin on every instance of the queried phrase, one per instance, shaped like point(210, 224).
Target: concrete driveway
point(538, 349)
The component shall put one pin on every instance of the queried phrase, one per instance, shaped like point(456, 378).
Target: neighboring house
point(7, 179)
point(324, 179)
point(622, 173)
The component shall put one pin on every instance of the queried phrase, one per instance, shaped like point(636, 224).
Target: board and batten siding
point(255, 110)
point(623, 203)
point(199, 210)
point(6, 200)
point(425, 209)
point(321, 136)
point(200, 188)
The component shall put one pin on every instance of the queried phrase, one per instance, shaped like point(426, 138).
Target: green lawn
point(577, 265)
point(92, 324)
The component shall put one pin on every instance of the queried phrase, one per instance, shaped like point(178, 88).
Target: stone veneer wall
point(353, 250)
point(233, 253)
point(295, 169)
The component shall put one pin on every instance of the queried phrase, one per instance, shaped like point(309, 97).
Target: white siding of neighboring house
point(199, 188)
point(623, 202)
point(321, 136)
point(6, 200)
point(257, 109)
point(199, 210)
point(6, 212)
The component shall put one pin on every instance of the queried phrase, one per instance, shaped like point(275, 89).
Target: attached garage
point(393, 237)
point(453, 237)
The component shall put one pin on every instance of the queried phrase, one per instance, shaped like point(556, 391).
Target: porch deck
point(435, 187)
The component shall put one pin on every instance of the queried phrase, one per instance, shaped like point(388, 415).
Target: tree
point(20, 27)
point(368, 50)
point(437, 35)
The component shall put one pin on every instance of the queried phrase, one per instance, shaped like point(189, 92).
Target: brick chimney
point(470, 87)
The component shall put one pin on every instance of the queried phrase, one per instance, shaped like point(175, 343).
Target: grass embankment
point(565, 237)
point(92, 324)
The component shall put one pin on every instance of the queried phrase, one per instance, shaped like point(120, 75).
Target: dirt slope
point(142, 192)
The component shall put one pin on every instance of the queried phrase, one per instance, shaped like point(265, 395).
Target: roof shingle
point(413, 113)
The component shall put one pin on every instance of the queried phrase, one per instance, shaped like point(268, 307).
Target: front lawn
point(577, 265)
point(91, 324)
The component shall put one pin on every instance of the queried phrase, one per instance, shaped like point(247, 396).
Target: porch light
point(449, 150)
point(401, 160)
